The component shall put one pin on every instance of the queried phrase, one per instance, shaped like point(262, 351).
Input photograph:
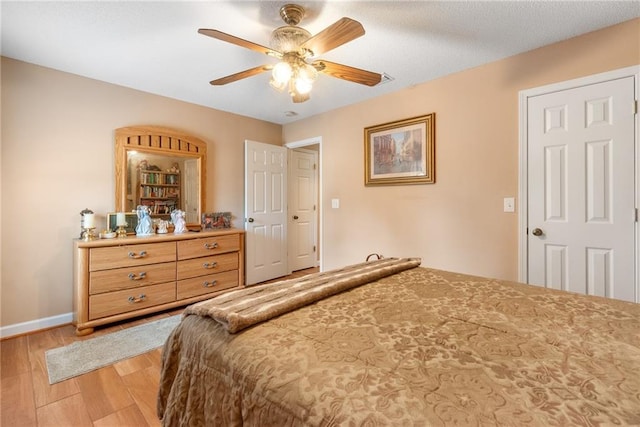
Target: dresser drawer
point(131, 277)
point(131, 255)
point(205, 284)
point(117, 302)
point(207, 265)
point(208, 246)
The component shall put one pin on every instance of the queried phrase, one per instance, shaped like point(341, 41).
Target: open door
point(303, 209)
point(265, 202)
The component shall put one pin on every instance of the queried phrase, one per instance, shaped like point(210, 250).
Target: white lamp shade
point(282, 72)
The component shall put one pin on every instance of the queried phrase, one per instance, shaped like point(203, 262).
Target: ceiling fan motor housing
point(292, 14)
point(288, 38)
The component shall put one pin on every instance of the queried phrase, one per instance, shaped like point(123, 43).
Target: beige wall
point(458, 223)
point(58, 158)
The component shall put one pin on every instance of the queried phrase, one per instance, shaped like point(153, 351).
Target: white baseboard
point(35, 325)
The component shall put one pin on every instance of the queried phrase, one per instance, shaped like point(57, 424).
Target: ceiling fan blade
point(241, 75)
point(342, 31)
point(239, 42)
point(345, 72)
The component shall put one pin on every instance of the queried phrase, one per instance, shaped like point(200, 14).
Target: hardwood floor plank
point(133, 364)
point(104, 392)
point(16, 401)
point(69, 411)
point(129, 416)
point(45, 340)
point(143, 386)
point(14, 356)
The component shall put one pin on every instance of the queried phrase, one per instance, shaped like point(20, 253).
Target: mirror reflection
point(163, 183)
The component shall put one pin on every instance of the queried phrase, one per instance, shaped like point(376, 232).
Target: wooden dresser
point(116, 279)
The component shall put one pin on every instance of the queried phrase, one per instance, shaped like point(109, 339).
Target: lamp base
point(121, 232)
point(88, 234)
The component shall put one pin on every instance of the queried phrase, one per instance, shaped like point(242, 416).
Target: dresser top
point(168, 237)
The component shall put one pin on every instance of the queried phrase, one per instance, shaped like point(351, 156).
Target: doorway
point(266, 200)
point(579, 185)
point(302, 208)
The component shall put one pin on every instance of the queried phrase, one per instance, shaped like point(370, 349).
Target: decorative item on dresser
point(117, 279)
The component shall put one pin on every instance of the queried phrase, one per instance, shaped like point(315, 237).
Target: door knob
point(295, 217)
point(537, 232)
point(250, 220)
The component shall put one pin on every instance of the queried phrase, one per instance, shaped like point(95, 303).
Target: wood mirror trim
point(157, 140)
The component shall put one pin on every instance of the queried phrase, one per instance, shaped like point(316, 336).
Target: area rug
point(88, 355)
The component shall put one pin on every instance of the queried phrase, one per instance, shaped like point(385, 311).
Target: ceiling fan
point(295, 47)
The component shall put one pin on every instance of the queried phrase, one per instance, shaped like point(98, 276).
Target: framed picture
point(131, 218)
point(401, 152)
point(211, 221)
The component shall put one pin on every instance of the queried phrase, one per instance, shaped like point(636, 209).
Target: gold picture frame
point(401, 152)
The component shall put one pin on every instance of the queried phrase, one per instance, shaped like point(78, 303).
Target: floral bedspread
point(418, 348)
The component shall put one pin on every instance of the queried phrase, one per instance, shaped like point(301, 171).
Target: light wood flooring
point(122, 394)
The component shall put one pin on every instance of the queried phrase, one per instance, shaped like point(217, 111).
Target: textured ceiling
point(154, 46)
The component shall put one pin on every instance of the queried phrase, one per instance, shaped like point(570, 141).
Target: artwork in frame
point(131, 219)
point(401, 152)
point(211, 221)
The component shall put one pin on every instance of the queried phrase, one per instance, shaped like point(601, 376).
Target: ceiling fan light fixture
point(294, 46)
point(307, 72)
point(303, 86)
point(279, 86)
point(304, 77)
point(299, 97)
point(282, 72)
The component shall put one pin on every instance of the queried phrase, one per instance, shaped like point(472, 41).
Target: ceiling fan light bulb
point(277, 85)
point(303, 86)
point(282, 72)
point(308, 72)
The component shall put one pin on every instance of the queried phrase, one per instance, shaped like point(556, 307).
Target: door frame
point(523, 186)
point(301, 144)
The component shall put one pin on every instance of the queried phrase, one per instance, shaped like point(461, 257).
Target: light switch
point(509, 204)
point(335, 203)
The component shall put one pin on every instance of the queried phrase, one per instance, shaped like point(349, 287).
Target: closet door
point(581, 202)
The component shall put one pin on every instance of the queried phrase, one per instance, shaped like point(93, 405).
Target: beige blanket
point(243, 308)
point(422, 347)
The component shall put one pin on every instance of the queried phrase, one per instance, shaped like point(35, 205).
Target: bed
point(391, 343)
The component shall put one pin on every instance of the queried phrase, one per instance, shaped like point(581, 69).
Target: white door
point(581, 208)
point(191, 191)
point(303, 198)
point(265, 217)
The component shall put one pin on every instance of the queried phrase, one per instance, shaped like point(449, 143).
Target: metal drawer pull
point(141, 255)
point(210, 265)
point(135, 300)
point(134, 276)
point(211, 245)
point(208, 284)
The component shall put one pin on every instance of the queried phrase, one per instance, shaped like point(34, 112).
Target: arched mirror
point(162, 169)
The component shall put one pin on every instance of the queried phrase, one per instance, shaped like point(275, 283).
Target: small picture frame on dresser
point(131, 218)
point(216, 220)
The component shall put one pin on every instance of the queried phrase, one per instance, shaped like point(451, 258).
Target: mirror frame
point(163, 141)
